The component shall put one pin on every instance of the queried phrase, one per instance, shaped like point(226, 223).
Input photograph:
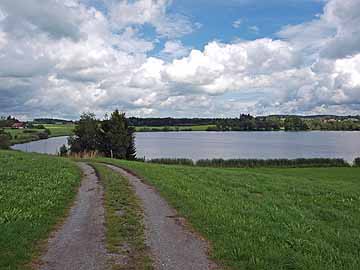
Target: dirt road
point(79, 243)
point(172, 245)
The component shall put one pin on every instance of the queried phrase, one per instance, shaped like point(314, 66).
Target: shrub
point(357, 162)
point(43, 135)
point(172, 161)
point(30, 131)
point(4, 140)
point(63, 151)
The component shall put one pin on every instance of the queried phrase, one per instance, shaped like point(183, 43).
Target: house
point(19, 125)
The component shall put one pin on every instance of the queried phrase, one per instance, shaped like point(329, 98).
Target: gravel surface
point(172, 245)
point(79, 243)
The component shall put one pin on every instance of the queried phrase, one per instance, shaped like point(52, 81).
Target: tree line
point(247, 122)
point(169, 121)
point(111, 137)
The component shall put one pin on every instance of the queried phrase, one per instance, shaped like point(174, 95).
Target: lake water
point(199, 145)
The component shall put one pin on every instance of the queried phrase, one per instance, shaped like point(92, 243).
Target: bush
point(30, 131)
point(4, 140)
point(43, 135)
point(357, 162)
point(63, 151)
point(39, 126)
point(172, 161)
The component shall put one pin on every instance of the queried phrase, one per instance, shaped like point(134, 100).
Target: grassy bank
point(28, 135)
point(303, 218)
point(124, 228)
point(60, 130)
point(35, 191)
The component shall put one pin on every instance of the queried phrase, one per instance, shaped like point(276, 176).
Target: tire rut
point(172, 245)
point(79, 243)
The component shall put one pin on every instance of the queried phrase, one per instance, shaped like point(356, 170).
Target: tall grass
point(172, 161)
point(253, 163)
point(35, 191)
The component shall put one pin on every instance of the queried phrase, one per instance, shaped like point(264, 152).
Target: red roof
point(18, 125)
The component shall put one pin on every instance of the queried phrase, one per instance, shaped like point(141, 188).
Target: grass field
point(267, 218)
point(124, 227)
point(173, 128)
point(61, 130)
point(28, 135)
point(35, 191)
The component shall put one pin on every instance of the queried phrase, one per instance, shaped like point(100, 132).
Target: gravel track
point(79, 243)
point(172, 245)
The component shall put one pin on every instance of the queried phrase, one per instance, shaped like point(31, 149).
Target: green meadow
point(27, 135)
point(35, 191)
point(299, 218)
point(259, 218)
point(60, 130)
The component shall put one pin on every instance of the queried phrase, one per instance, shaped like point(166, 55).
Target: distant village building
point(19, 125)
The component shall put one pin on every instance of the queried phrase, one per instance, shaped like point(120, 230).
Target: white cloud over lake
point(60, 58)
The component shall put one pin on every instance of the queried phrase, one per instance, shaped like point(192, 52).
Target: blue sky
point(259, 19)
point(217, 17)
point(180, 58)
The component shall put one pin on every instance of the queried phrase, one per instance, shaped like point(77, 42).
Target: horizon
point(179, 59)
point(169, 117)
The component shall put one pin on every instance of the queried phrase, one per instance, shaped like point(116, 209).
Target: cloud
point(336, 34)
point(255, 29)
point(84, 59)
point(56, 19)
point(237, 23)
point(153, 12)
point(174, 49)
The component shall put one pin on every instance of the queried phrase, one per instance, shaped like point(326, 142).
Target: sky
point(179, 58)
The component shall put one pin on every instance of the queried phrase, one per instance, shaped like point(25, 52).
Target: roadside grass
point(125, 237)
point(299, 218)
point(173, 128)
point(35, 192)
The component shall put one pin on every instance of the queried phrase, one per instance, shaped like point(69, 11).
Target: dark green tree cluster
point(169, 121)
point(246, 122)
point(295, 124)
point(334, 125)
point(112, 137)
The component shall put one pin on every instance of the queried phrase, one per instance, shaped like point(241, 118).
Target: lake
point(261, 145)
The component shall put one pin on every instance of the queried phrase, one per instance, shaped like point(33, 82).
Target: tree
point(295, 124)
point(86, 134)
point(131, 150)
point(112, 137)
point(116, 138)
